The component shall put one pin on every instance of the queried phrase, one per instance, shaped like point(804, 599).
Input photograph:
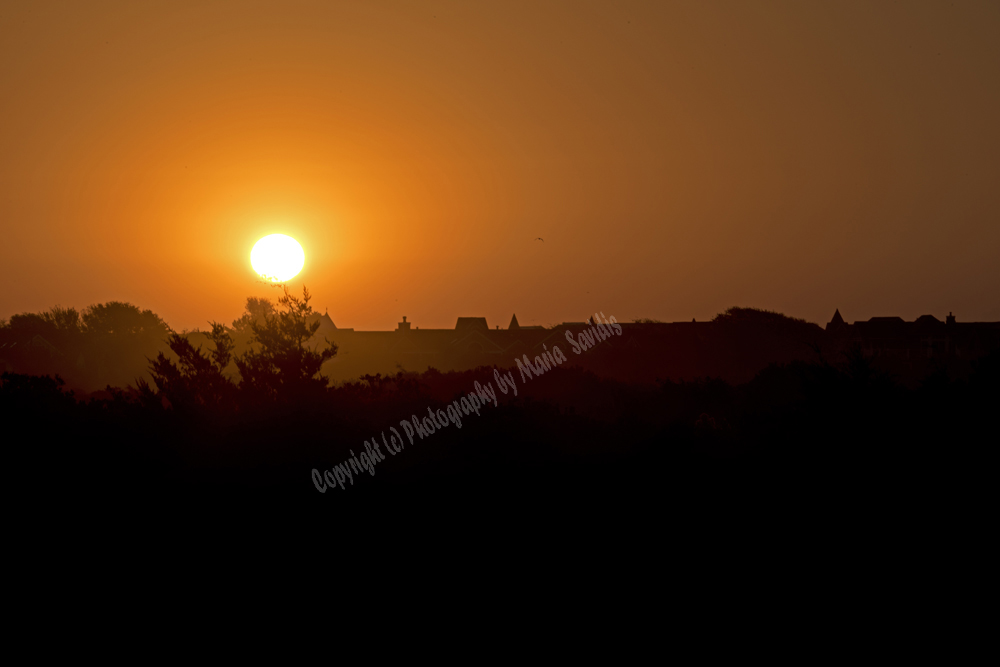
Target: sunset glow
point(712, 158)
point(728, 269)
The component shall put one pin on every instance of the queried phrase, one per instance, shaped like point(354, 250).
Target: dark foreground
point(801, 444)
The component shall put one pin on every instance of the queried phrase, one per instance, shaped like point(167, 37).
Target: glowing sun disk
point(277, 258)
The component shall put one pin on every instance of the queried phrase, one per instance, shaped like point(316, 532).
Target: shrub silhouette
point(278, 367)
point(196, 381)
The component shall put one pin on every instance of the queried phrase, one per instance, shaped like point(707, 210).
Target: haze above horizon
point(677, 160)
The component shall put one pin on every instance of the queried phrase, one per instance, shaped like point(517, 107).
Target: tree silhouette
point(278, 365)
point(66, 319)
point(26, 325)
point(257, 310)
point(118, 318)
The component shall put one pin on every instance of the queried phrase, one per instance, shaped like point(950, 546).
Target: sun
point(277, 258)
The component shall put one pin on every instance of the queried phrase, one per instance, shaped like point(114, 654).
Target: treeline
point(112, 344)
point(218, 425)
point(106, 344)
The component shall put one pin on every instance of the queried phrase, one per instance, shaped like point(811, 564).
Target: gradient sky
point(677, 158)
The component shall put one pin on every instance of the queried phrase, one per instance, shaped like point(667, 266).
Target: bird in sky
point(540, 239)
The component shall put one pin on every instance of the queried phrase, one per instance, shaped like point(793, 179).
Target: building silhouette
point(927, 337)
point(915, 348)
point(647, 351)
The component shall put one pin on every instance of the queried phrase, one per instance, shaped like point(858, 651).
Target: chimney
point(404, 325)
point(950, 319)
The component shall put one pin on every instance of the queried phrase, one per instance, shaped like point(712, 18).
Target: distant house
point(38, 341)
point(469, 344)
point(927, 337)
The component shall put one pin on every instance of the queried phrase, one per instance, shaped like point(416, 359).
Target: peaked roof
point(325, 323)
point(837, 319)
point(513, 323)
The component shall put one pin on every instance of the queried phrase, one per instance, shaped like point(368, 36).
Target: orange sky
point(677, 158)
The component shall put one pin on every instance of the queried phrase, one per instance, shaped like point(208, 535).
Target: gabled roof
point(38, 341)
point(471, 323)
point(513, 322)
